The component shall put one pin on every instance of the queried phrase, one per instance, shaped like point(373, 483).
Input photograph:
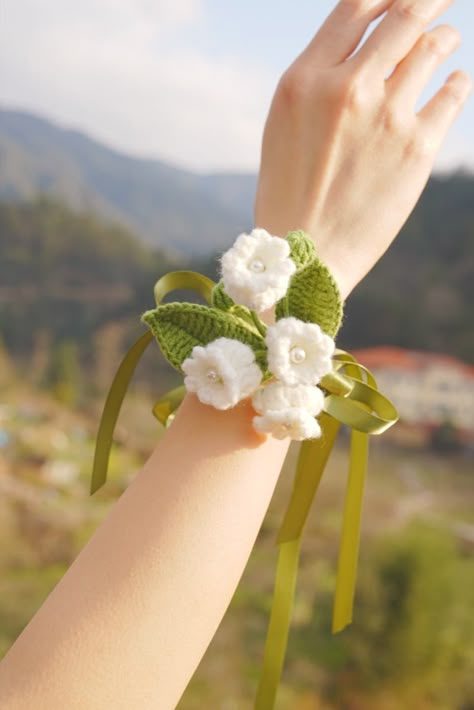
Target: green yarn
point(302, 248)
point(178, 327)
point(313, 295)
point(219, 298)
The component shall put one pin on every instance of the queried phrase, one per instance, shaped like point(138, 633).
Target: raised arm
point(344, 157)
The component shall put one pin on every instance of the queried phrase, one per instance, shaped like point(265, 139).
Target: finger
point(343, 29)
point(441, 111)
point(413, 73)
point(398, 32)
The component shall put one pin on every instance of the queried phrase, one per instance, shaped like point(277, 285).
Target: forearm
point(130, 620)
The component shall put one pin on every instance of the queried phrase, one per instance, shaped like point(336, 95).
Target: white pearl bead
point(297, 355)
point(257, 266)
point(212, 375)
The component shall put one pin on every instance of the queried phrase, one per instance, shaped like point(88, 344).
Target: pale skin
point(345, 157)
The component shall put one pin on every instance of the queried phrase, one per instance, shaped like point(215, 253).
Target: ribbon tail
point(168, 404)
point(313, 456)
point(312, 460)
point(349, 547)
point(279, 626)
point(111, 410)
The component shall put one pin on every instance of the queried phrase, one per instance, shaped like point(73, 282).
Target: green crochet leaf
point(178, 327)
point(302, 249)
point(313, 296)
point(219, 298)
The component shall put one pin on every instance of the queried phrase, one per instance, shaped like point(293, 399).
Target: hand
point(344, 155)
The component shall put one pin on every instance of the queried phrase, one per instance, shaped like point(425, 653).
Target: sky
point(185, 81)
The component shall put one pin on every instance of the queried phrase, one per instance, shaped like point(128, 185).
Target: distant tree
point(6, 365)
point(65, 373)
point(414, 628)
point(445, 438)
point(108, 351)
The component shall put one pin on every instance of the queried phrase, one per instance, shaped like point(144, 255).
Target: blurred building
point(429, 390)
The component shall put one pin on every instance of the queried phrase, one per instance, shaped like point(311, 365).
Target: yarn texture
point(227, 353)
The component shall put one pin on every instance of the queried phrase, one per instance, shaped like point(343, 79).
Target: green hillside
point(68, 275)
point(420, 293)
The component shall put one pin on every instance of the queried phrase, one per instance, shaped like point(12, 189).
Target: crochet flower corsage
point(227, 353)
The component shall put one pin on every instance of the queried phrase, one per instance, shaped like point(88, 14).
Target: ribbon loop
point(118, 389)
point(183, 279)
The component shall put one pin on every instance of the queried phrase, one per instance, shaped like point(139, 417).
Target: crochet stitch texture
point(227, 353)
point(178, 327)
point(314, 295)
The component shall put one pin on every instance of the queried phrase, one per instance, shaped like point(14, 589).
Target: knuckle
point(294, 85)
point(432, 44)
point(458, 86)
point(351, 92)
point(353, 7)
point(463, 77)
point(440, 41)
point(453, 92)
point(418, 146)
point(451, 35)
point(411, 11)
point(392, 121)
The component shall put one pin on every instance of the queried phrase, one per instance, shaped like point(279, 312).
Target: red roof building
point(427, 388)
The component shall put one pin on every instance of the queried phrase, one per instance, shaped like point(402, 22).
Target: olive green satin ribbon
point(312, 459)
point(118, 389)
point(352, 398)
point(111, 411)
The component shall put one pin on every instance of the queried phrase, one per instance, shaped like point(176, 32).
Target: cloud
point(111, 67)
point(121, 71)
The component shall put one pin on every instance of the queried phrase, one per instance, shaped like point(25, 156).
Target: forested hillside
point(70, 280)
point(69, 275)
point(420, 293)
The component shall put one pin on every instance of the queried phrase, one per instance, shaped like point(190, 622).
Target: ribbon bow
point(352, 398)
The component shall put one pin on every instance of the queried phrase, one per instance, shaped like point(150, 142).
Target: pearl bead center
point(257, 266)
point(297, 355)
point(213, 376)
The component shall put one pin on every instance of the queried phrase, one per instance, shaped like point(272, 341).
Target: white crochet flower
point(257, 269)
point(222, 372)
point(288, 411)
point(298, 352)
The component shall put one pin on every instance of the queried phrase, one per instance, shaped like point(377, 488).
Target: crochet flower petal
point(222, 372)
point(276, 396)
point(293, 423)
point(288, 411)
point(257, 269)
point(298, 352)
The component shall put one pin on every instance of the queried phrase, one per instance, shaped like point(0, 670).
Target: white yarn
point(288, 411)
point(256, 272)
point(257, 269)
point(222, 373)
point(287, 340)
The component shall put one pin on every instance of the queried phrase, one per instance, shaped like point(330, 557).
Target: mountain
point(177, 210)
point(419, 295)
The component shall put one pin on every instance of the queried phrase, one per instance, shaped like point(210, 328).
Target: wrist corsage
point(301, 387)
